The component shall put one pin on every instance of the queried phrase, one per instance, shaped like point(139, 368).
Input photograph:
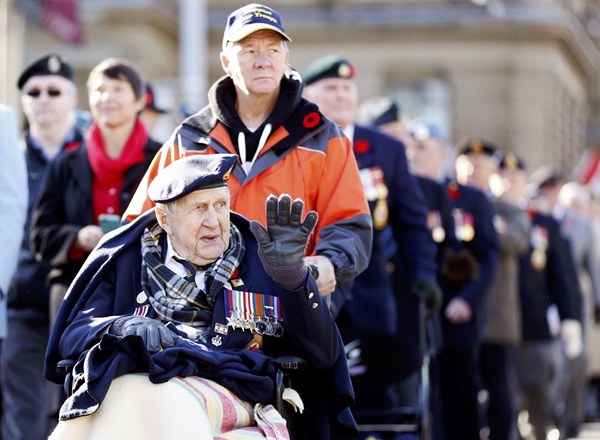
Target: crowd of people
point(284, 219)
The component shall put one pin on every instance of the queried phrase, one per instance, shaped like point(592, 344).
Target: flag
point(60, 17)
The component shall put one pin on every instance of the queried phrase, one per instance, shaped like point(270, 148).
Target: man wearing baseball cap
point(285, 145)
point(48, 99)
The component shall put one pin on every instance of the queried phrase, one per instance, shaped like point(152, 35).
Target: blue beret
point(191, 173)
point(330, 66)
point(475, 145)
point(422, 129)
point(249, 19)
point(51, 64)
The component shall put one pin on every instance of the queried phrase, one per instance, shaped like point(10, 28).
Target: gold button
point(310, 295)
point(141, 298)
point(315, 305)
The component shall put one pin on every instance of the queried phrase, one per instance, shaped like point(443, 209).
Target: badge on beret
point(54, 64)
point(511, 161)
point(476, 146)
point(227, 175)
point(344, 71)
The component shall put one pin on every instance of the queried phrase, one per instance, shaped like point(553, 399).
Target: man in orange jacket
point(285, 146)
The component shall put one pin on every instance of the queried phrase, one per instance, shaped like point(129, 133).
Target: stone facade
point(521, 73)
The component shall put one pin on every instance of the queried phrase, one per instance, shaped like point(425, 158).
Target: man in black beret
point(192, 289)
point(48, 100)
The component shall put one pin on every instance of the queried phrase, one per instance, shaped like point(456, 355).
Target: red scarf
point(109, 173)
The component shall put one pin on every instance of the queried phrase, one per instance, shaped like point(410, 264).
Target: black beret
point(151, 100)
point(476, 145)
point(191, 173)
point(51, 64)
point(510, 161)
point(378, 111)
point(330, 66)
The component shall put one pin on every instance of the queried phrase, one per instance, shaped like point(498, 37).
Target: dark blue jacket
point(546, 283)
point(484, 244)
point(107, 287)
point(373, 304)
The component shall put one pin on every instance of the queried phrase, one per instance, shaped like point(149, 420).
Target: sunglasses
point(35, 93)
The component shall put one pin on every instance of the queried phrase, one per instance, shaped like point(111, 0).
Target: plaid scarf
point(173, 298)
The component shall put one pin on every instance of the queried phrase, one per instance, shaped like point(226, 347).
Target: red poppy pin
point(362, 146)
point(72, 146)
point(311, 120)
point(453, 191)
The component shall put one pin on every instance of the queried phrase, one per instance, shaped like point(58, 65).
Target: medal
point(434, 222)
point(380, 214)
point(538, 259)
point(260, 314)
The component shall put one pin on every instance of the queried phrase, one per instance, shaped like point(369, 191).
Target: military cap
point(378, 111)
point(51, 64)
point(546, 175)
point(249, 19)
point(191, 173)
point(510, 161)
point(151, 100)
point(330, 66)
point(476, 145)
point(422, 129)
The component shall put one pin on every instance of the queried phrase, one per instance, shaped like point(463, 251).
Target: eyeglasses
point(35, 93)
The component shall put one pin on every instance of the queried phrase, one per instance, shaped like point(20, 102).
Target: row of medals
point(268, 327)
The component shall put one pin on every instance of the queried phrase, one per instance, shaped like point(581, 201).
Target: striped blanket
point(182, 408)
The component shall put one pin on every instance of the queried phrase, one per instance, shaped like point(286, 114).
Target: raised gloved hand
point(154, 333)
point(429, 292)
point(283, 244)
point(571, 335)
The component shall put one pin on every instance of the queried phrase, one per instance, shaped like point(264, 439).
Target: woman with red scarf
point(86, 187)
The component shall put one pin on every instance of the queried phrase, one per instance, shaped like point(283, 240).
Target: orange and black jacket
point(305, 155)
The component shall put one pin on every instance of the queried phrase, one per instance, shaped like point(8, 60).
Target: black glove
point(282, 245)
point(460, 267)
point(430, 293)
point(154, 333)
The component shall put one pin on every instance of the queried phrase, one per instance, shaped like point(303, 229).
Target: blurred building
point(524, 73)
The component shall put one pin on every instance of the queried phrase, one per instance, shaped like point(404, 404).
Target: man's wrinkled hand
point(326, 279)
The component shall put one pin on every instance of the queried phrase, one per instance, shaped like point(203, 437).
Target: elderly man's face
point(337, 98)
point(47, 100)
point(257, 63)
point(426, 158)
point(198, 224)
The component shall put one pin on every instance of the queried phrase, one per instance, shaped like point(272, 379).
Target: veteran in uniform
point(501, 321)
point(465, 283)
point(399, 213)
point(195, 295)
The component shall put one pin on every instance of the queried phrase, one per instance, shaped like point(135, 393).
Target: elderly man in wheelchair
point(175, 319)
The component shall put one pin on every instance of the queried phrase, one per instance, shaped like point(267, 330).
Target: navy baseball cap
point(191, 173)
point(51, 64)
point(249, 19)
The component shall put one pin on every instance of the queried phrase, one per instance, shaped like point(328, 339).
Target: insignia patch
point(221, 328)
point(216, 341)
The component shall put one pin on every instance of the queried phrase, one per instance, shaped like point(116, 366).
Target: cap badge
point(54, 64)
point(511, 161)
point(227, 175)
point(344, 71)
point(476, 146)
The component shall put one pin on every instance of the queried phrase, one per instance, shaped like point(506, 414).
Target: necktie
point(190, 269)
